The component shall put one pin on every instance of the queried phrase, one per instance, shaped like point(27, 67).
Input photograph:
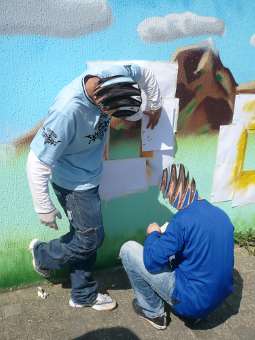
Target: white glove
point(49, 219)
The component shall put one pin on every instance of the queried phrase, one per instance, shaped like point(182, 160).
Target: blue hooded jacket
point(201, 238)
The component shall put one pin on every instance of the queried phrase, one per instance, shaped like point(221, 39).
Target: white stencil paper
point(123, 177)
point(229, 135)
point(162, 136)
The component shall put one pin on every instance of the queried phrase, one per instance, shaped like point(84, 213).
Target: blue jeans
point(151, 290)
point(78, 248)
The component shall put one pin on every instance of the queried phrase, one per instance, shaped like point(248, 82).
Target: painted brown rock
point(206, 90)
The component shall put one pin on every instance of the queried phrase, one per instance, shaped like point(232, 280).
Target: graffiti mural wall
point(202, 54)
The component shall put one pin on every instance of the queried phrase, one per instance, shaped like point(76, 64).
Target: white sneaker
point(76, 305)
point(103, 302)
point(43, 272)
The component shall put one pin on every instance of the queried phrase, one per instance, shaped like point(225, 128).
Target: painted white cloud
point(61, 18)
point(178, 25)
point(252, 40)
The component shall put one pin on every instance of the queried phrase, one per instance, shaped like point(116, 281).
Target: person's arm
point(159, 247)
point(38, 175)
point(46, 148)
point(148, 83)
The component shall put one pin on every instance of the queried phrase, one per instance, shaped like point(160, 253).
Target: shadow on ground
point(109, 334)
point(228, 308)
point(116, 279)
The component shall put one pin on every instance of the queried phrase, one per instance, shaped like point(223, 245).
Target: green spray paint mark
point(186, 113)
point(199, 88)
point(219, 77)
point(204, 129)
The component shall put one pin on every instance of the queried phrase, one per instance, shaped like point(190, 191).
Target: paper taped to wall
point(244, 110)
point(245, 196)
point(222, 189)
point(123, 177)
point(156, 164)
point(232, 179)
point(162, 136)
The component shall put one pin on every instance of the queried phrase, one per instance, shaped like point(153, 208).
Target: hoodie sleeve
point(38, 175)
point(159, 247)
point(148, 83)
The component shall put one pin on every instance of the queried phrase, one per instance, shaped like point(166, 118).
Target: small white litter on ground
point(42, 293)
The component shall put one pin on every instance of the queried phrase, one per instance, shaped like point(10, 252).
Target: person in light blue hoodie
point(68, 150)
point(190, 264)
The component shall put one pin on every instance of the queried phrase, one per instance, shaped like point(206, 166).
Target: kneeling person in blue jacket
point(199, 244)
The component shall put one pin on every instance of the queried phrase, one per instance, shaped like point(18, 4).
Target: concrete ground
point(24, 315)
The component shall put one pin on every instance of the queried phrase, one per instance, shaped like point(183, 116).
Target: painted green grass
point(16, 264)
point(15, 267)
point(125, 218)
point(186, 113)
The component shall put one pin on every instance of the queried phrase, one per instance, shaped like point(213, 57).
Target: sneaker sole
point(76, 305)
point(153, 324)
point(108, 306)
point(31, 249)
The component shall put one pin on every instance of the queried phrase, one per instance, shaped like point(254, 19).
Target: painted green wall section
point(124, 218)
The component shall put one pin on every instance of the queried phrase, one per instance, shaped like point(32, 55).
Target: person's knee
point(129, 249)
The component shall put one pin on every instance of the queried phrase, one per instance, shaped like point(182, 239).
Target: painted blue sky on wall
point(35, 67)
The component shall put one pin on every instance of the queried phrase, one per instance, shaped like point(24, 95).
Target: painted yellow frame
point(241, 179)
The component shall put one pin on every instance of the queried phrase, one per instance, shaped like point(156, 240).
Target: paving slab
point(24, 315)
